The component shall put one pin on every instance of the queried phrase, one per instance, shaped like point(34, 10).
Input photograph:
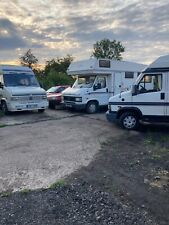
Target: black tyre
point(4, 108)
point(92, 107)
point(41, 110)
point(129, 121)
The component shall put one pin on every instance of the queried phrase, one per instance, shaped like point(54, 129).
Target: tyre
point(129, 121)
point(4, 108)
point(41, 110)
point(92, 107)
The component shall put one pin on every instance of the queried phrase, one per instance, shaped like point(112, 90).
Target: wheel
point(129, 121)
point(41, 110)
point(92, 107)
point(4, 108)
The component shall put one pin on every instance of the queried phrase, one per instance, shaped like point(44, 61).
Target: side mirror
point(134, 89)
point(1, 85)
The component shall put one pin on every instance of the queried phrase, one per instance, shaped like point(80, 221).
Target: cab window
point(150, 83)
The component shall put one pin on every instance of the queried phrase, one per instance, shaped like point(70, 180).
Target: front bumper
point(18, 106)
point(111, 116)
point(74, 105)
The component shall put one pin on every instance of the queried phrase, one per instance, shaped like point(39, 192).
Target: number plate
point(68, 105)
point(31, 106)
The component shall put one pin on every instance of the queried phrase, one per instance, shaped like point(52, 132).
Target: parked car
point(54, 95)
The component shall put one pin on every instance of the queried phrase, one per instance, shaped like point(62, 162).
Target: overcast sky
point(55, 28)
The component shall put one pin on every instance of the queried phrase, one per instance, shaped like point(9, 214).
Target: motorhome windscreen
point(84, 82)
point(20, 79)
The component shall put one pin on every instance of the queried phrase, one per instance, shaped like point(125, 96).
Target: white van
point(148, 100)
point(20, 91)
point(97, 80)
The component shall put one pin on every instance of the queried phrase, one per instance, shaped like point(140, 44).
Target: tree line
point(54, 72)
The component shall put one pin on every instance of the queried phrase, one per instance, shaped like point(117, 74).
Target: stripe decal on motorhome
point(140, 103)
point(90, 93)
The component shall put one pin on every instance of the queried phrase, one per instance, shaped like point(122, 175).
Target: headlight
point(14, 98)
point(109, 107)
point(78, 99)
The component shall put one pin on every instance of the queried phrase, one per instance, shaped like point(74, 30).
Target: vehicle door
point(117, 83)
point(150, 98)
point(100, 90)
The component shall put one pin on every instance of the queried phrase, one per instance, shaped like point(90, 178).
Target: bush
point(54, 78)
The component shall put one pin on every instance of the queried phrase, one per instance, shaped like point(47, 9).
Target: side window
point(150, 83)
point(100, 83)
point(129, 75)
point(61, 89)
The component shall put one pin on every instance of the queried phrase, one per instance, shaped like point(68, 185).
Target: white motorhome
point(97, 80)
point(20, 91)
point(148, 100)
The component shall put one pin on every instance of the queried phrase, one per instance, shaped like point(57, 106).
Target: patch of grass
point(149, 140)
point(1, 114)
point(5, 194)
point(58, 183)
point(112, 188)
point(156, 157)
point(25, 191)
point(2, 125)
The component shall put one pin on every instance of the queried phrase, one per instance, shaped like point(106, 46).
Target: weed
point(2, 125)
point(1, 114)
point(5, 194)
point(58, 183)
point(156, 157)
point(112, 188)
point(25, 191)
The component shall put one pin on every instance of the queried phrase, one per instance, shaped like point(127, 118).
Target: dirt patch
point(126, 184)
point(135, 168)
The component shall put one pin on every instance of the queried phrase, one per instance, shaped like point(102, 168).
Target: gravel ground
point(78, 203)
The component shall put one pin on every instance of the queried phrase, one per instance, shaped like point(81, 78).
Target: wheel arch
point(92, 100)
point(134, 110)
point(3, 100)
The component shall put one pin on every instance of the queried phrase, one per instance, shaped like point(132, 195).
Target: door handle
point(107, 90)
point(162, 96)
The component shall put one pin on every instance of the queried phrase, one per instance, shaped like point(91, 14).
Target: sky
point(55, 28)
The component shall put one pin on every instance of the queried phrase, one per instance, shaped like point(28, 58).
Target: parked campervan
point(20, 91)
point(97, 80)
point(148, 100)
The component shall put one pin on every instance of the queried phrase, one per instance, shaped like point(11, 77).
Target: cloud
point(9, 36)
point(57, 27)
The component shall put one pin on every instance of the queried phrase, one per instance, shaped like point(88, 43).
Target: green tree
point(55, 72)
point(28, 59)
point(108, 49)
point(56, 78)
point(58, 64)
